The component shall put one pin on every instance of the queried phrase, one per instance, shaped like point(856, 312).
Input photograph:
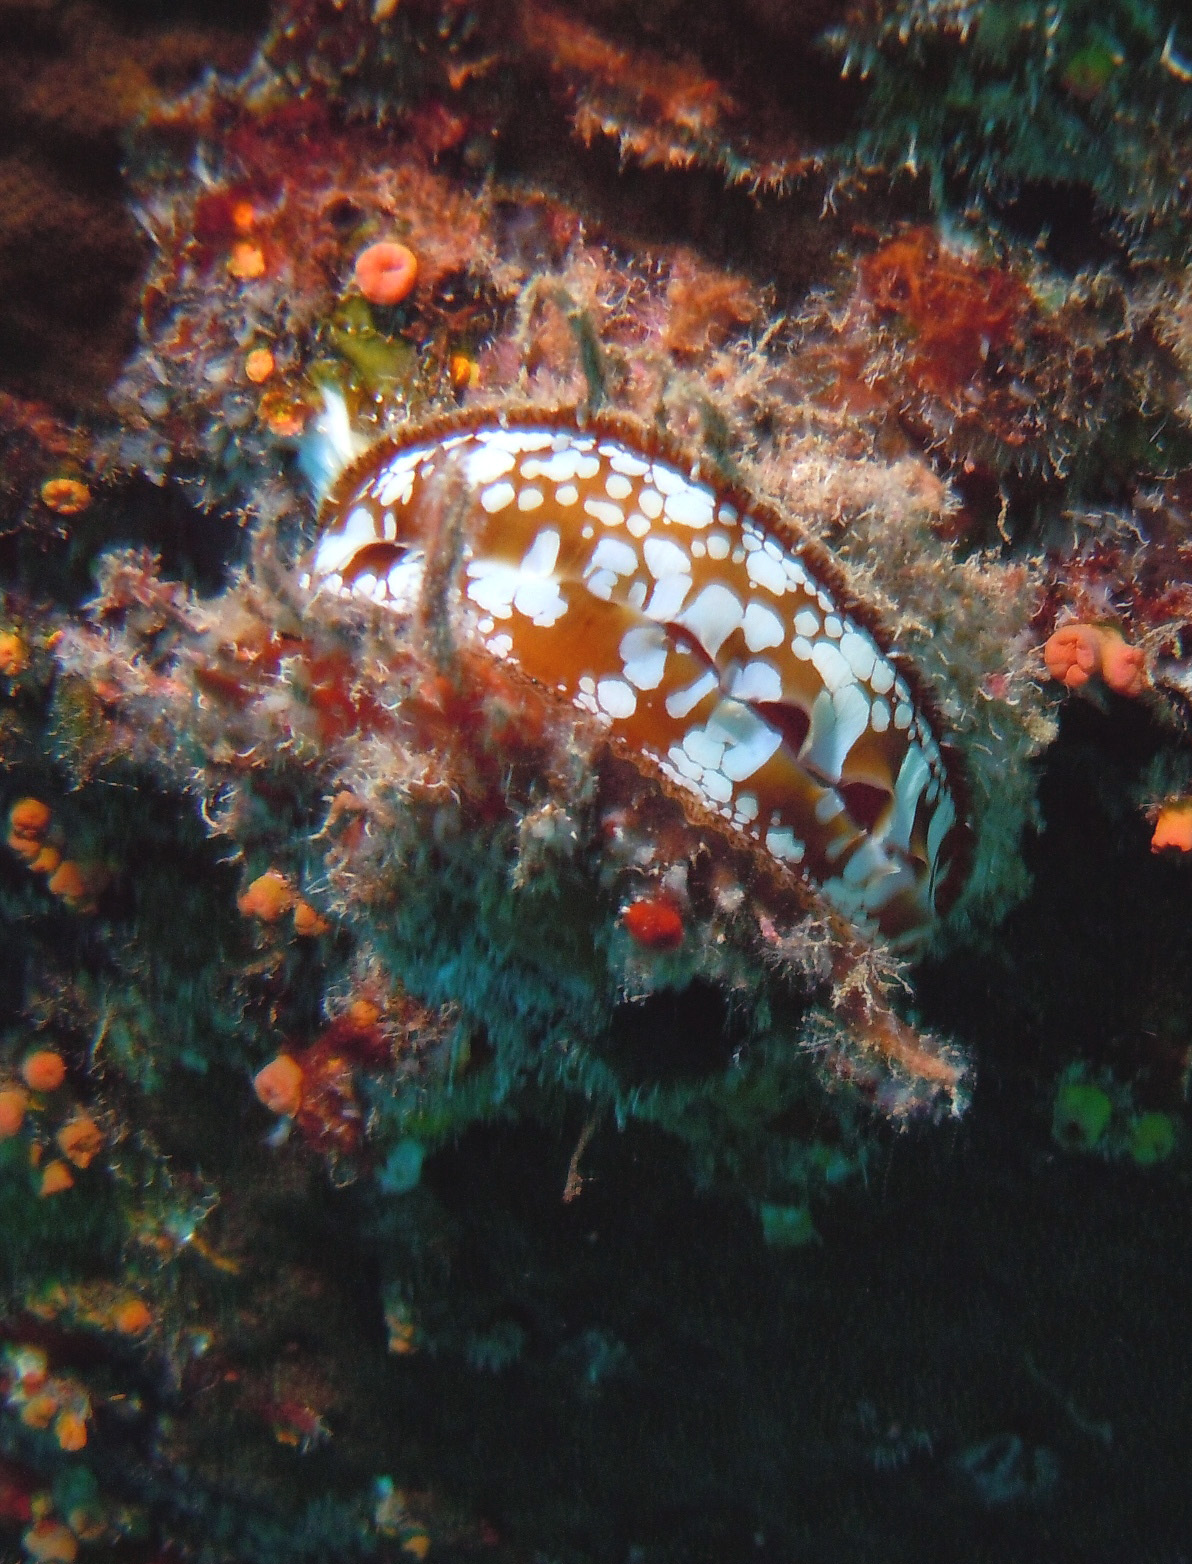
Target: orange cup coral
point(50, 1542)
point(29, 817)
point(28, 822)
point(39, 1410)
point(43, 1070)
point(363, 1013)
point(1077, 651)
point(247, 261)
point(13, 1102)
point(132, 1317)
point(80, 1140)
point(307, 921)
point(267, 898)
point(74, 885)
point(14, 654)
point(386, 272)
point(70, 1430)
point(1173, 826)
point(46, 861)
point(279, 1085)
point(65, 496)
point(259, 365)
point(56, 1177)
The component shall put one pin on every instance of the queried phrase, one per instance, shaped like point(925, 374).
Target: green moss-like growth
point(985, 100)
point(1152, 1138)
point(1081, 1115)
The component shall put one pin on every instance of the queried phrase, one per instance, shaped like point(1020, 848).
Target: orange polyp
point(69, 882)
point(44, 1070)
point(132, 1317)
point(26, 847)
point(267, 898)
point(247, 261)
point(259, 365)
point(13, 1103)
point(66, 496)
point(654, 922)
point(56, 1177)
point(14, 655)
point(307, 921)
point(29, 817)
point(1173, 827)
point(70, 1430)
point(50, 1542)
point(386, 272)
point(80, 1140)
point(46, 861)
point(39, 1410)
point(1072, 655)
point(1123, 667)
point(279, 1085)
point(1075, 652)
point(363, 1013)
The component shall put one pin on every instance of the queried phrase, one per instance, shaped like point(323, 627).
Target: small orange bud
point(80, 1140)
point(39, 1411)
point(364, 1013)
point(69, 882)
point(26, 847)
point(279, 1085)
point(267, 897)
point(1123, 667)
point(46, 861)
point(259, 365)
point(13, 1102)
point(70, 1430)
point(1173, 826)
point(285, 417)
point(307, 921)
point(386, 272)
point(464, 371)
point(654, 922)
point(55, 1177)
point(132, 1317)
point(44, 1070)
point(65, 496)
point(244, 216)
point(29, 817)
point(247, 261)
point(1077, 651)
point(14, 654)
point(50, 1542)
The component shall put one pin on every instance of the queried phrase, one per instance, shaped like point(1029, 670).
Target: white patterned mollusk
point(698, 629)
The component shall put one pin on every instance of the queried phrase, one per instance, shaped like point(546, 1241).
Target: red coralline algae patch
point(962, 352)
point(955, 312)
